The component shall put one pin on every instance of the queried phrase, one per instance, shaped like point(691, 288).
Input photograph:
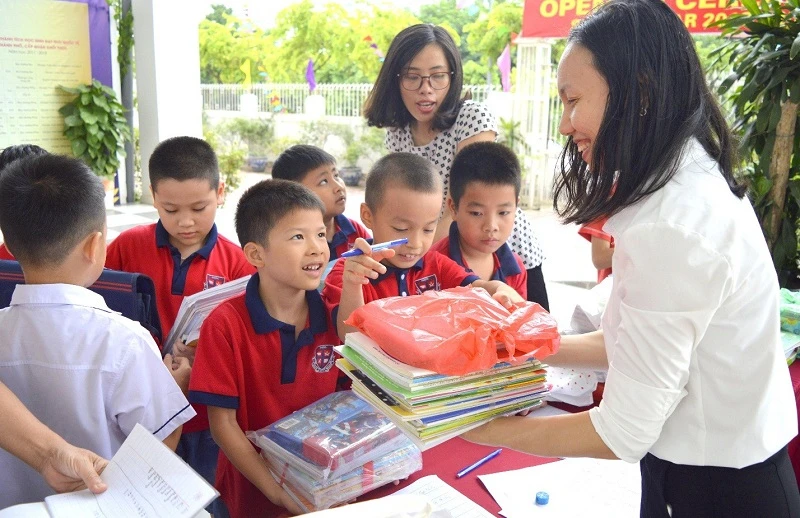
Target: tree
point(224, 47)
point(764, 89)
point(491, 32)
point(218, 14)
point(337, 39)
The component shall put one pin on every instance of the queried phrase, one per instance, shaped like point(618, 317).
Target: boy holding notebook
point(269, 352)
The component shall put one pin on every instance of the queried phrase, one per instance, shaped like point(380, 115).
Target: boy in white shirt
point(89, 374)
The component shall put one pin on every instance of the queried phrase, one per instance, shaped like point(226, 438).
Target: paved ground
point(567, 266)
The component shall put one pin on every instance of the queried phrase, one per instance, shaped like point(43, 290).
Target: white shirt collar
point(53, 294)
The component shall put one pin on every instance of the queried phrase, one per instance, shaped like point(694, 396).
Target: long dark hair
point(658, 99)
point(384, 107)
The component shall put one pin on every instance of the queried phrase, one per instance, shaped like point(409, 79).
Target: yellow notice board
point(43, 44)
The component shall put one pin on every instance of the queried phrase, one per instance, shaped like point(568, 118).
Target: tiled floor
point(124, 217)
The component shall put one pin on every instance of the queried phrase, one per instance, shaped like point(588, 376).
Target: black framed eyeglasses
point(438, 81)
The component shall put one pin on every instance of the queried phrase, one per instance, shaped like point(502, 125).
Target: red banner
point(554, 18)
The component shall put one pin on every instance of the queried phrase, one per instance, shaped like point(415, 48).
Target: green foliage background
point(336, 39)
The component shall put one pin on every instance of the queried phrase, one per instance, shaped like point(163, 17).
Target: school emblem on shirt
point(213, 281)
point(323, 358)
point(426, 284)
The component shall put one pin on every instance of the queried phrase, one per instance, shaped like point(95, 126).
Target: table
point(450, 457)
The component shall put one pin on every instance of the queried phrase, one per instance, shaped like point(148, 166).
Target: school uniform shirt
point(473, 118)
point(347, 231)
point(86, 372)
point(146, 249)
point(595, 229)
point(696, 371)
point(249, 361)
point(433, 271)
point(5, 255)
point(508, 266)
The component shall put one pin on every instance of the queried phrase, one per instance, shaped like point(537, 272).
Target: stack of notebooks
point(334, 450)
point(195, 308)
point(429, 407)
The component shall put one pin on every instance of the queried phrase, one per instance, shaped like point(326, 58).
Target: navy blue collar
point(162, 240)
point(264, 323)
point(391, 270)
point(346, 228)
point(505, 256)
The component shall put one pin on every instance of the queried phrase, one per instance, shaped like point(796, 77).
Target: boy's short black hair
point(265, 203)
point(486, 162)
point(296, 162)
point(49, 204)
point(184, 158)
point(407, 169)
point(12, 153)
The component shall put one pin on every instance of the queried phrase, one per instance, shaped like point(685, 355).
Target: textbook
point(145, 479)
point(440, 423)
point(195, 308)
point(415, 379)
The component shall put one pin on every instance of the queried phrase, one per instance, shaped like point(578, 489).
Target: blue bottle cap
point(542, 498)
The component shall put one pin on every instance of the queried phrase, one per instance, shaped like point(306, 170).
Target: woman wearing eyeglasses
point(417, 97)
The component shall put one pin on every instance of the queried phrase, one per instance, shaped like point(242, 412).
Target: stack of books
point(334, 450)
point(195, 308)
point(429, 407)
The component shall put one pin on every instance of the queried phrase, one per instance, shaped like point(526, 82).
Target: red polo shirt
point(146, 249)
point(249, 361)
point(508, 266)
point(5, 255)
point(433, 271)
point(347, 230)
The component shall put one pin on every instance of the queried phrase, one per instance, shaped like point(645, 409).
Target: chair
point(131, 294)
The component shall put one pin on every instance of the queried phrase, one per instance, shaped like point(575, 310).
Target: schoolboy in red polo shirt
point(403, 199)
point(316, 169)
point(184, 255)
point(269, 352)
point(484, 192)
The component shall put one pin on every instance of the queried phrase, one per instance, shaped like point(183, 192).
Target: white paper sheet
point(145, 479)
point(445, 497)
point(577, 488)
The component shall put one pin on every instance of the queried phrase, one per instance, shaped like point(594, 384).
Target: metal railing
point(345, 100)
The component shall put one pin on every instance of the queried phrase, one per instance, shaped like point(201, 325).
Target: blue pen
point(479, 463)
point(376, 248)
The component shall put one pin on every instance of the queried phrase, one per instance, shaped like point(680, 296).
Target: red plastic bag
point(457, 331)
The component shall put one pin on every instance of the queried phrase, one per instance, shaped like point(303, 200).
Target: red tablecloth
point(794, 446)
point(452, 456)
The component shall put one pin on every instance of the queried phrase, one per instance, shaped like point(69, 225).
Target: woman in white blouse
point(697, 386)
point(417, 97)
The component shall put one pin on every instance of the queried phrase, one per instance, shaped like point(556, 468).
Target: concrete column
point(167, 74)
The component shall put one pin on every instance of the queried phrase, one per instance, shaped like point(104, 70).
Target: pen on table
point(376, 247)
point(479, 463)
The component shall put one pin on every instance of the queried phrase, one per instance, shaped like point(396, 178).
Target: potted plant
point(351, 173)
point(95, 125)
point(257, 133)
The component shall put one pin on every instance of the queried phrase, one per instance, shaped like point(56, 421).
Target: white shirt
point(86, 372)
point(696, 370)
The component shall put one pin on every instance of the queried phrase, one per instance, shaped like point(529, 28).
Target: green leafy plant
point(257, 133)
point(763, 50)
point(95, 125)
point(124, 21)
point(231, 153)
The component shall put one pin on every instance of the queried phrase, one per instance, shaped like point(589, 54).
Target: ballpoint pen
point(376, 247)
point(479, 463)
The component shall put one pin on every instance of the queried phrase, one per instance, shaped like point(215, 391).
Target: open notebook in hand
point(195, 308)
point(145, 479)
